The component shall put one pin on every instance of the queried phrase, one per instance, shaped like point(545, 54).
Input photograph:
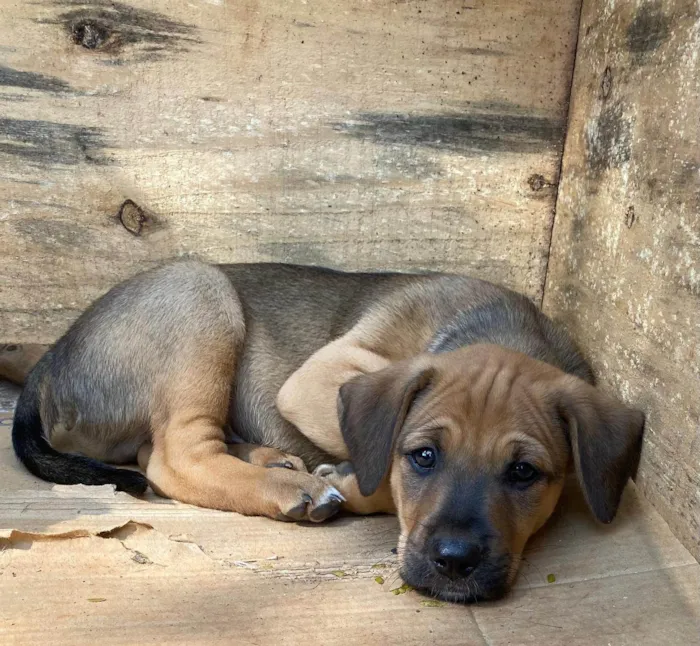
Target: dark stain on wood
point(630, 216)
point(606, 83)
point(687, 175)
point(305, 253)
point(648, 30)
point(56, 235)
point(31, 81)
point(33, 204)
point(608, 139)
point(578, 229)
point(478, 51)
point(465, 133)
point(46, 143)
point(116, 27)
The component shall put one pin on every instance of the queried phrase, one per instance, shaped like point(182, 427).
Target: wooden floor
point(83, 565)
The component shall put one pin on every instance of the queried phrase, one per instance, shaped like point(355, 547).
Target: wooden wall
point(624, 271)
point(363, 135)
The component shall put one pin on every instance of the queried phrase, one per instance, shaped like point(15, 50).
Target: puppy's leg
point(342, 477)
point(16, 361)
point(144, 455)
point(265, 456)
point(190, 460)
point(262, 456)
point(191, 464)
point(309, 397)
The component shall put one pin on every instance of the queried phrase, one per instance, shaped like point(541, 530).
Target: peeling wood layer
point(624, 271)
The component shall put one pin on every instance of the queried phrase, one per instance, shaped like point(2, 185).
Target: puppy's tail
point(45, 462)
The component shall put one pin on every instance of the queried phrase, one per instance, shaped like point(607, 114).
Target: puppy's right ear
point(372, 409)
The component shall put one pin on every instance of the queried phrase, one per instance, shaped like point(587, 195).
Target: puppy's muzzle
point(456, 564)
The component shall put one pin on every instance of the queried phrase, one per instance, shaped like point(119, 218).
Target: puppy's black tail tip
point(45, 462)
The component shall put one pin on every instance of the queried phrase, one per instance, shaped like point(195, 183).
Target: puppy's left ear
point(606, 442)
point(372, 409)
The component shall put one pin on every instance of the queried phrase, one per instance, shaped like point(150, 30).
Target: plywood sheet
point(624, 271)
point(362, 135)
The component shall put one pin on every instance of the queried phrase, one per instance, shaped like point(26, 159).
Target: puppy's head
point(476, 443)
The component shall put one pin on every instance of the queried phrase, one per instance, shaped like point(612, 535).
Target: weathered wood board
point(624, 271)
point(362, 135)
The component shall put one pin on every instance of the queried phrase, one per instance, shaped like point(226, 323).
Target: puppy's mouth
point(488, 582)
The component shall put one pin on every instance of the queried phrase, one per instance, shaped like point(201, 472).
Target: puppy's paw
point(342, 477)
point(311, 499)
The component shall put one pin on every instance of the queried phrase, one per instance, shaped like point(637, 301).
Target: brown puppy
point(450, 396)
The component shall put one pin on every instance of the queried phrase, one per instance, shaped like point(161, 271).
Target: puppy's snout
point(455, 557)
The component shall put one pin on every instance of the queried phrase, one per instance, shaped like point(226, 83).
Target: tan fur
point(17, 360)
point(308, 399)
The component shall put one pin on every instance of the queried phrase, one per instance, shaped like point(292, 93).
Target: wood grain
point(385, 135)
point(625, 266)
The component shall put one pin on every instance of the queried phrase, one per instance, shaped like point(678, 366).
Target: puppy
point(289, 391)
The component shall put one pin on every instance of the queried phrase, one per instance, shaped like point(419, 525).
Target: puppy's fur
point(446, 399)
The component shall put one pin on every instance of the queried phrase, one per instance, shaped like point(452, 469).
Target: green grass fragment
point(379, 580)
point(339, 573)
point(432, 603)
point(403, 589)
point(551, 578)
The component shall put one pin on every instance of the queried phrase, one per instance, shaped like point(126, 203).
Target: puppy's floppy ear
point(606, 442)
point(372, 409)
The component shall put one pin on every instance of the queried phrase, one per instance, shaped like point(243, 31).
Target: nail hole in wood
point(537, 182)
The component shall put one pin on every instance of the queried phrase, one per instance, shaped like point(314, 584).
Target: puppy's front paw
point(342, 477)
point(312, 499)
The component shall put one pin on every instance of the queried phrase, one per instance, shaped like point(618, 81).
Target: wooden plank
point(647, 609)
point(624, 271)
point(363, 135)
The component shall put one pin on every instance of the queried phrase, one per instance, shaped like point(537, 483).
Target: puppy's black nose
point(455, 558)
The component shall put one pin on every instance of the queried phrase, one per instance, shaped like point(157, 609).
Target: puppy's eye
point(423, 459)
point(522, 474)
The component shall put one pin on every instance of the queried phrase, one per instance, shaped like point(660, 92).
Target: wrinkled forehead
point(490, 407)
